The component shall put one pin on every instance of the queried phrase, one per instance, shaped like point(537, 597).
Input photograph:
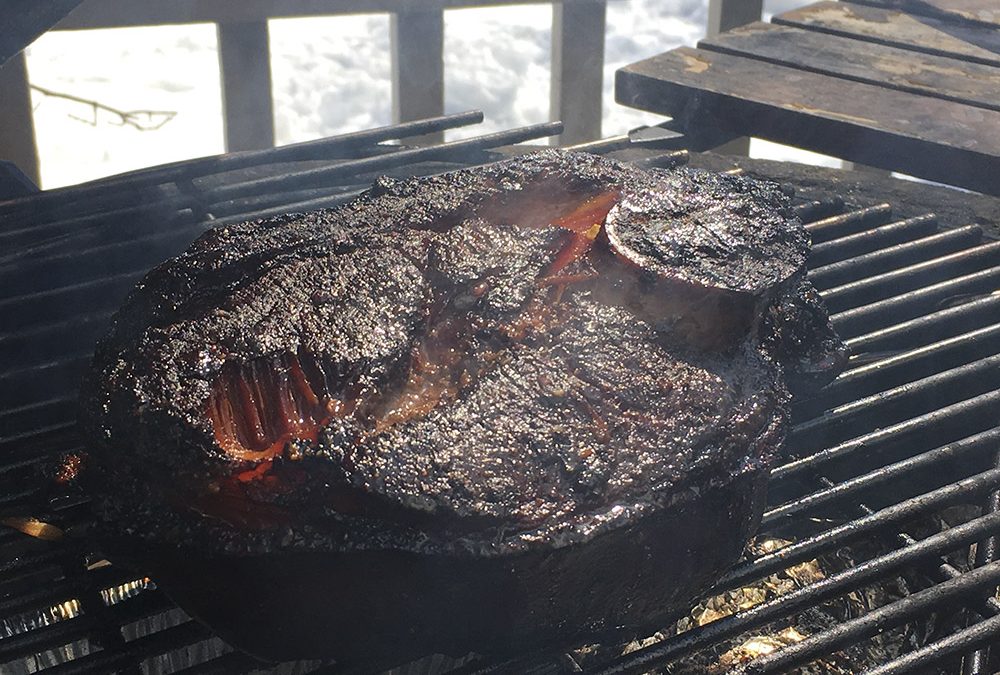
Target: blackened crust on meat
point(797, 331)
point(383, 608)
point(476, 364)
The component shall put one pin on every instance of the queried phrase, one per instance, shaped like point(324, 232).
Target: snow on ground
point(329, 75)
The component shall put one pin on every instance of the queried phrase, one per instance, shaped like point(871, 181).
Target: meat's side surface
point(518, 363)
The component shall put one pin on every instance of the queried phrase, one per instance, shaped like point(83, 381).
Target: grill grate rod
point(888, 284)
point(853, 222)
point(973, 445)
point(355, 167)
point(819, 208)
point(873, 622)
point(869, 240)
point(888, 257)
point(897, 369)
point(882, 313)
point(980, 634)
point(939, 324)
point(660, 654)
point(320, 149)
point(810, 547)
point(977, 662)
point(888, 616)
point(154, 644)
point(944, 388)
point(912, 430)
point(144, 605)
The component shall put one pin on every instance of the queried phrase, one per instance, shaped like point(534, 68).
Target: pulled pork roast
point(501, 407)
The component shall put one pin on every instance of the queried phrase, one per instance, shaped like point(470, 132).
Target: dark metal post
point(578, 68)
point(245, 61)
point(418, 68)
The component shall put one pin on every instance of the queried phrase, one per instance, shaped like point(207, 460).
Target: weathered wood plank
point(926, 74)
point(417, 39)
point(577, 74)
point(922, 136)
point(898, 29)
point(121, 13)
point(17, 126)
point(981, 11)
point(244, 59)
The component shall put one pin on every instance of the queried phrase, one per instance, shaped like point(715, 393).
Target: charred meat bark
point(527, 402)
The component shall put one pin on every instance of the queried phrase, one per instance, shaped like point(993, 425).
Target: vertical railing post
point(577, 77)
point(245, 62)
point(417, 43)
point(17, 128)
point(725, 15)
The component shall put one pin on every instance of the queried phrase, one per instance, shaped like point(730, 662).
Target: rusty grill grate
point(908, 431)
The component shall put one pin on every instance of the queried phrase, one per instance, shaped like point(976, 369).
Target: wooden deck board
point(894, 67)
point(980, 11)
point(923, 136)
point(969, 42)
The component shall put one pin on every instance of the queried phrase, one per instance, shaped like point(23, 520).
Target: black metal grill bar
point(258, 203)
point(39, 432)
point(68, 267)
point(889, 284)
point(57, 592)
point(889, 257)
point(940, 324)
point(294, 207)
point(320, 149)
point(848, 223)
point(866, 241)
point(923, 395)
point(30, 420)
point(987, 552)
point(978, 443)
point(867, 625)
point(29, 350)
point(827, 540)
point(154, 644)
point(980, 634)
point(146, 604)
point(880, 314)
point(812, 211)
point(895, 369)
point(232, 662)
point(81, 297)
point(323, 176)
point(660, 654)
point(912, 431)
point(37, 383)
point(354, 168)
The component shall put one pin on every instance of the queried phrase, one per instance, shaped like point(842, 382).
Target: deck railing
point(417, 41)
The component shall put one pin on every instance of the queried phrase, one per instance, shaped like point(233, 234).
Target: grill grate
point(907, 431)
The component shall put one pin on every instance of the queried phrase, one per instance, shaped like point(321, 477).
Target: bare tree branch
point(143, 120)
